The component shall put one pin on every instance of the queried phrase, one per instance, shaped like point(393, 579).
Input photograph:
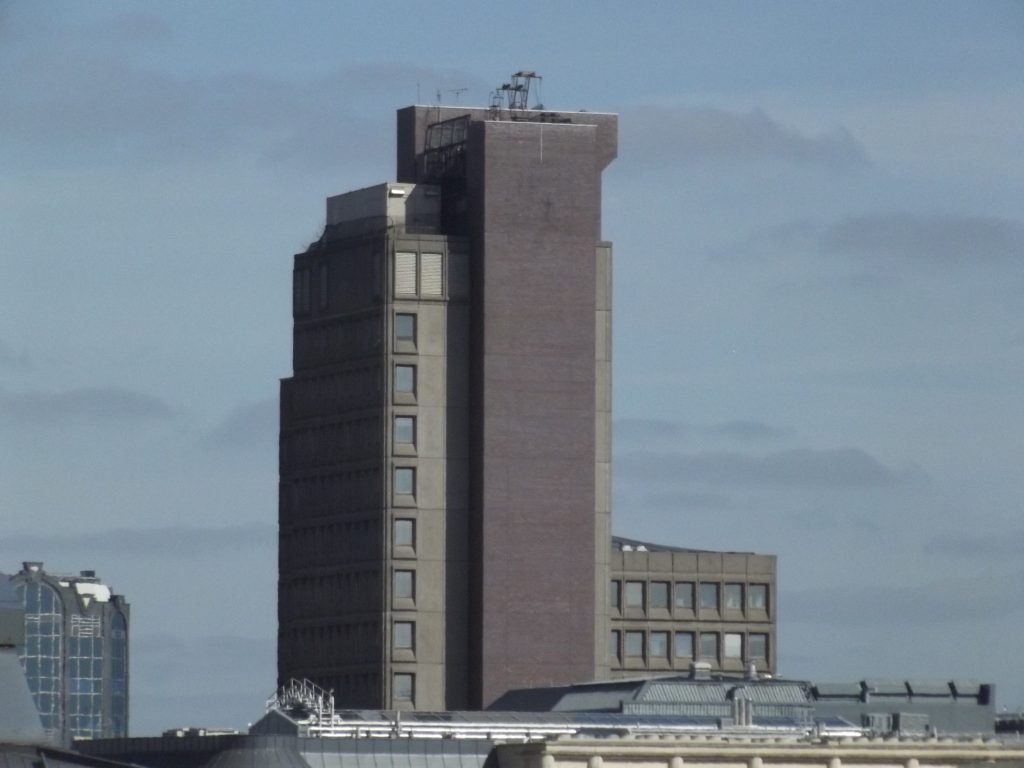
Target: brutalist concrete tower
point(445, 437)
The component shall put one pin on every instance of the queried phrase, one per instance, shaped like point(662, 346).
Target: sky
point(818, 303)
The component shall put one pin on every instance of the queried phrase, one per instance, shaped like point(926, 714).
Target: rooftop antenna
point(457, 92)
point(515, 94)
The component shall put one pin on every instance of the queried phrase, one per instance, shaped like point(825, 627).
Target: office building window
point(405, 379)
point(659, 645)
point(709, 596)
point(405, 635)
point(732, 597)
point(684, 595)
point(432, 275)
point(634, 645)
point(405, 481)
point(405, 532)
point(758, 645)
point(709, 645)
point(404, 686)
point(405, 274)
point(634, 594)
point(757, 597)
point(405, 327)
point(300, 291)
point(659, 595)
point(614, 645)
point(324, 285)
point(405, 430)
point(615, 594)
point(405, 585)
point(732, 645)
point(684, 645)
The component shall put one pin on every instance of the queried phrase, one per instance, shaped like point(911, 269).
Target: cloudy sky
point(819, 300)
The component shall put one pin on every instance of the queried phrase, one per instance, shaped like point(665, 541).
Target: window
point(404, 635)
point(405, 585)
point(635, 594)
point(709, 645)
point(659, 645)
point(615, 594)
point(405, 430)
point(758, 646)
point(405, 379)
point(684, 595)
point(405, 274)
point(300, 291)
point(322, 279)
point(614, 641)
point(684, 645)
point(709, 596)
point(405, 327)
point(404, 686)
point(405, 481)
point(431, 278)
point(405, 532)
point(634, 645)
point(733, 597)
point(733, 645)
point(659, 595)
point(757, 597)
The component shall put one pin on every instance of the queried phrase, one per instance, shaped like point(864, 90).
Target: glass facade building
point(75, 653)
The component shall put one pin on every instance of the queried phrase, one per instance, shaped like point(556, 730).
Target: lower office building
point(74, 653)
point(669, 607)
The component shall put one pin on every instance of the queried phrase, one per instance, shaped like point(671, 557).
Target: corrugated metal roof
point(683, 691)
point(777, 694)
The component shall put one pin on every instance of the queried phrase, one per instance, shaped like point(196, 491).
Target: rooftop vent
point(700, 670)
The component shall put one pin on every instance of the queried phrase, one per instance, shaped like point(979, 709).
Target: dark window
point(757, 597)
point(634, 645)
point(684, 645)
point(659, 594)
point(684, 595)
point(634, 594)
point(405, 379)
point(733, 597)
point(709, 645)
point(405, 584)
point(322, 279)
point(405, 635)
point(405, 532)
point(709, 596)
point(758, 646)
point(405, 430)
point(614, 641)
point(405, 686)
point(659, 645)
point(405, 481)
point(405, 327)
point(615, 594)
